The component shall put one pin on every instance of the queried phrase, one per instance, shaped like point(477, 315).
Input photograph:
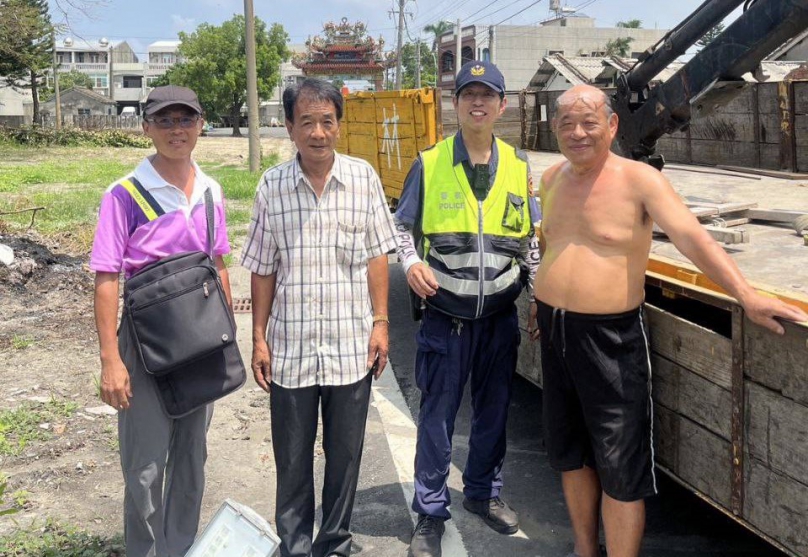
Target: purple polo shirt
point(125, 239)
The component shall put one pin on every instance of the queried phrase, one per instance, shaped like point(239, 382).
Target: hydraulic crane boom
point(711, 78)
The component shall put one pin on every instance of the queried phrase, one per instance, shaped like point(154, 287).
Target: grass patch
point(93, 172)
point(69, 190)
point(56, 540)
point(5, 509)
point(20, 427)
point(21, 342)
point(237, 183)
point(70, 187)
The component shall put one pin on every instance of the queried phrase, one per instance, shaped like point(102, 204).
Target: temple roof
point(341, 48)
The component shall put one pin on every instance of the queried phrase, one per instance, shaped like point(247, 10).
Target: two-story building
point(114, 68)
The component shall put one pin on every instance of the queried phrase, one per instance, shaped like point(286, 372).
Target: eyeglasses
point(166, 123)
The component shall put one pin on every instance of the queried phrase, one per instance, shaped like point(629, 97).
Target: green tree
point(215, 65)
point(437, 29)
point(73, 78)
point(630, 24)
point(619, 47)
point(26, 35)
point(710, 35)
point(410, 65)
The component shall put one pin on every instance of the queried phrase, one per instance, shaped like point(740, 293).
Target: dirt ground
point(48, 350)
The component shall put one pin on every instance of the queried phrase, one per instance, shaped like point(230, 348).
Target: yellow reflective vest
point(472, 245)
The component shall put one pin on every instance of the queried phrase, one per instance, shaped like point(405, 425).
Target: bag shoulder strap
point(153, 210)
point(209, 219)
point(143, 198)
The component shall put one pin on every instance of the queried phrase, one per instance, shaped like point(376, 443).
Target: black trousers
point(294, 429)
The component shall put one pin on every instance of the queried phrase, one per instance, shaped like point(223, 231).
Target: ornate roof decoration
point(343, 47)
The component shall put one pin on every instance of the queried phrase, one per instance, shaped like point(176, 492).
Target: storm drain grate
point(242, 305)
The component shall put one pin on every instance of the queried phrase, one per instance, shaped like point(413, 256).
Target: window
point(79, 56)
point(83, 111)
point(467, 54)
point(447, 62)
point(132, 82)
point(486, 55)
point(100, 81)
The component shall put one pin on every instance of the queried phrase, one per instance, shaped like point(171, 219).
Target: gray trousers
point(163, 463)
point(294, 429)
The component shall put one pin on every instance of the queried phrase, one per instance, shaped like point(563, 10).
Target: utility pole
point(252, 89)
point(418, 63)
point(491, 36)
point(458, 48)
point(400, 45)
point(56, 97)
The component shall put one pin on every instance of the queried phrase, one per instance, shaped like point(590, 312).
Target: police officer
point(466, 242)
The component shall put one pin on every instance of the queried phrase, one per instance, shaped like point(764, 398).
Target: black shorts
point(597, 398)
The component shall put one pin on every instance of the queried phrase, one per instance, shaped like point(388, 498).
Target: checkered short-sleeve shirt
point(321, 316)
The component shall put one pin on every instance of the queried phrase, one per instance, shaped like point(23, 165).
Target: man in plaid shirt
point(317, 249)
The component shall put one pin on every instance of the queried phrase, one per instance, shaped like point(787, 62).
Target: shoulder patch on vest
point(520, 154)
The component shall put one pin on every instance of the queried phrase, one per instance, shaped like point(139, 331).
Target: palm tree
point(438, 29)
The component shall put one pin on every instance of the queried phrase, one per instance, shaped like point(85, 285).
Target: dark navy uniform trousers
point(450, 351)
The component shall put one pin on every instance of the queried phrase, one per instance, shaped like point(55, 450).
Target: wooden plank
point(361, 128)
point(692, 396)
point(528, 364)
point(388, 109)
point(726, 127)
point(714, 152)
point(738, 425)
point(721, 208)
point(693, 347)
point(700, 211)
point(397, 154)
point(777, 505)
point(727, 235)
point(666, 437)
point(719, 234)
point(362, 146)
point(774, 215)
point(777, 432)
point(392, 177)
point(729, 221)
point(778, 362)
point(704, 461)
point(769, 129)
point(801, 97)
point(767, 98)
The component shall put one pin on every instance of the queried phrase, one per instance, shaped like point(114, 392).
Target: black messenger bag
point(182, 327)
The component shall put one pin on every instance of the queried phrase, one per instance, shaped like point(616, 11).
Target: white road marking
point(401, 435)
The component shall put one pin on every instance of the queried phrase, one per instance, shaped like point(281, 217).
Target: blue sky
point(141, 22)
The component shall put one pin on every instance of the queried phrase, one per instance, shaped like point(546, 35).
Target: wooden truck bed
point(730, 398)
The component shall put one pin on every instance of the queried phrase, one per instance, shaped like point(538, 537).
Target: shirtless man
point(599, 210)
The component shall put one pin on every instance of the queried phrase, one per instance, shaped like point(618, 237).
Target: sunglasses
point(166, 123)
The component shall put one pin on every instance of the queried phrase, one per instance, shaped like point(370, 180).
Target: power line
point(489, 15)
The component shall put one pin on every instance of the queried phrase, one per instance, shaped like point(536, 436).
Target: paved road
point(263, 132)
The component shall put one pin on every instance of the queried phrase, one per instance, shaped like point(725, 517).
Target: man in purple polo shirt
point(156, 211)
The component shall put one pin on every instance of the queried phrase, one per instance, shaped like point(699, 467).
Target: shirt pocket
point(350, 244)
point(514, 216)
